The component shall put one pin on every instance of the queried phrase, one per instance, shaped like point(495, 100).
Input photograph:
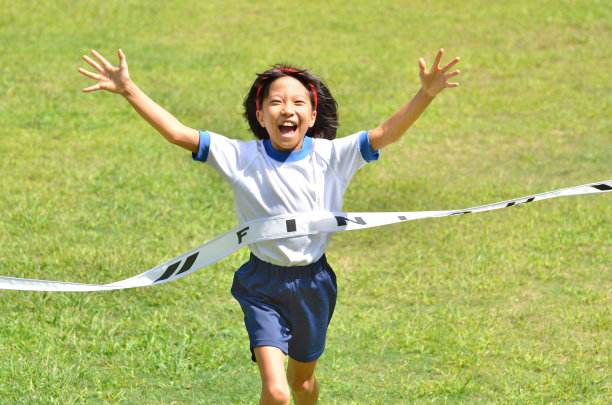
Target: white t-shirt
point(267, 182)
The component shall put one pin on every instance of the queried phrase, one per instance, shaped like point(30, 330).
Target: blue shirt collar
point(293, 156)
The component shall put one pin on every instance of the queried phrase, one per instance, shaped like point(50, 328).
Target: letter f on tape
point(286, 226)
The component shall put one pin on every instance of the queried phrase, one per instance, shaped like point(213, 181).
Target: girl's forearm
point(398, 123)
point(160, 119)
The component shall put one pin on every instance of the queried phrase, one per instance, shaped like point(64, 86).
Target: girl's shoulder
point(339, 146)
point(344, 142)
point(223, 141)
point(357, 144)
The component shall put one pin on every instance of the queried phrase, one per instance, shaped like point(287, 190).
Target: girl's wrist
point(427, 95)
point(129, 89)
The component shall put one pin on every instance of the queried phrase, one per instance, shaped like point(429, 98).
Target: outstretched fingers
point(436, 64)
point(106, 64)
point(92, 88)
point(122, 60)
point(450, 76)
point(437, 78)
point(450, 64)
point(111, 78)
point(94, 76)
point(89, 74)
point(422, 65)
point(93, 63)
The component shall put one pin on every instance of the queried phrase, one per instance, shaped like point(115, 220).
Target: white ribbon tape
point(277, 228)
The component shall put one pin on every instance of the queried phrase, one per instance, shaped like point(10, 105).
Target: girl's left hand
point(437, 79)
point(114, 79)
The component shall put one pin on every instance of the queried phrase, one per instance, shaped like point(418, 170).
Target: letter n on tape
point(343, 221)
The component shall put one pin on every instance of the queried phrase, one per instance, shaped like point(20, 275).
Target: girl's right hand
point(114, 79)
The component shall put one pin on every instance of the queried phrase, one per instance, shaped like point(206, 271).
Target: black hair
point(326, 123)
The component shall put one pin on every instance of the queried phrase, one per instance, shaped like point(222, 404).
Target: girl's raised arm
point(116, 79)
point(433, 82)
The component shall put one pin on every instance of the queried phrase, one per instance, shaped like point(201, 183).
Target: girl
point(287, 290)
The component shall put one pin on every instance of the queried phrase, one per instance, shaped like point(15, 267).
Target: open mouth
point(287, 128)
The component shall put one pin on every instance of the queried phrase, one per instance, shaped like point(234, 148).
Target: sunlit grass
point(511, 306)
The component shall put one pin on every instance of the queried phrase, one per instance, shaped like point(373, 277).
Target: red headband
point(314, 92)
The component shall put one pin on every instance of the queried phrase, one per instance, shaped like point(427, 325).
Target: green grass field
point(511, 307)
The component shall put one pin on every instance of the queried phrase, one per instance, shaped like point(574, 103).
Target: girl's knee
point(301, 386)
point(275, 394)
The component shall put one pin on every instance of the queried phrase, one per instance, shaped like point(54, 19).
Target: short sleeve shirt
point(267, 182)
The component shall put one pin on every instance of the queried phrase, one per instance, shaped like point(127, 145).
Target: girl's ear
point(260, 118)
point(313, 118)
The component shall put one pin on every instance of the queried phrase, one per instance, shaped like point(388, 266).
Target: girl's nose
point(288, 109)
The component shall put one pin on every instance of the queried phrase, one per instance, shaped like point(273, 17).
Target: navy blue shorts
point(287, 307)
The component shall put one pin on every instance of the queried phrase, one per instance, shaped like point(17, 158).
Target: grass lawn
point(511, 306)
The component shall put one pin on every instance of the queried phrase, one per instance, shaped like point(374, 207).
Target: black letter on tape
point(291, 227)
point(530, 199)
point(188, 263)
point(169, 271)
point(342, 221)
point(602, 187)
point(242, 233)
point(186, 266)
point(460, 213)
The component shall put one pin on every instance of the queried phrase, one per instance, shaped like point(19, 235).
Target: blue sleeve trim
point(366, 149)
point(203, 147)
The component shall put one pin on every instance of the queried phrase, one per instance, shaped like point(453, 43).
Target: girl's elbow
point(177, 135)
point(375, 137)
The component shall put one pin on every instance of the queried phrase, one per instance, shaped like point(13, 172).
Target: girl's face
point(286, 113)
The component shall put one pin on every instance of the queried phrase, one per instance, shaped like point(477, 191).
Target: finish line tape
point(277, 228)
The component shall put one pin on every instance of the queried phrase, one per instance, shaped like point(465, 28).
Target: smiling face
point(286, 113)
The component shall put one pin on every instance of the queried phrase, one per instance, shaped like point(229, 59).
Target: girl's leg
point(302, 381)
point(274, 388)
